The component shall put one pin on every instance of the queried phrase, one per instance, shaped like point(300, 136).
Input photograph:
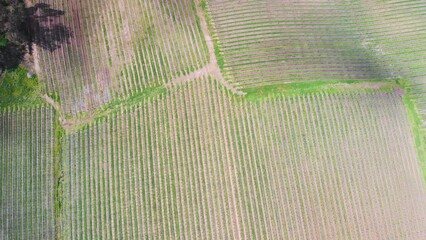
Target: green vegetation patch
point(16, 89)
point(55, 96)
point(114, 106)
point(417, 126)
point(3, 41)
point(311, 87)
point(217, 51)
point(418, 130)
point(149, 92)
point(58, 176)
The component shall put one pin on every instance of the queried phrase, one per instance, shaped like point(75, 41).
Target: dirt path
point(51, 102)
point(36, 57)
point(191, 76)
point(34, 49)
point(212, 68)
point(65, 123)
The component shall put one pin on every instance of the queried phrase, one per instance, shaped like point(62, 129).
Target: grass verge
point(58, 175)
point(84, 119)
point(327, 87)
point(217, 51)
point(16, 89)
point(418, 131)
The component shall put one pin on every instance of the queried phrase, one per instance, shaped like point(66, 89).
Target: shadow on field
point(46, 29)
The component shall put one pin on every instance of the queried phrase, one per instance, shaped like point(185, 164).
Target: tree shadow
point(45, 27)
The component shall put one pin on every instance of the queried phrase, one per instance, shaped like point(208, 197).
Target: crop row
point(133, 182)
point(120, 48)
point(271, 42)
point(26, 174)
point(198, 163)
point(396, 32)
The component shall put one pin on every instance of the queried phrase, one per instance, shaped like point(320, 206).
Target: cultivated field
point(26, 174)
point(119, 48)
point(269, 42)
point(198, 163)
point(272, 42)
point(218, 119)
point(396, 32)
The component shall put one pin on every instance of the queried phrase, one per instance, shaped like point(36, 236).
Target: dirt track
point(211, 69)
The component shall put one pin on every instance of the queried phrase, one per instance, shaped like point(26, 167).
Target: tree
point(13, 33)
point(21, 27)
point(13, 21)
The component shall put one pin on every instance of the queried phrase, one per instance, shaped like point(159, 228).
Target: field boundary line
point(212, 68)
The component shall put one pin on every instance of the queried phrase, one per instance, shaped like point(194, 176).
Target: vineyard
point(199, 163)
point(272, 42)
point(119, 48)
point(26, 174)
point(217, 119)
point(395, 31)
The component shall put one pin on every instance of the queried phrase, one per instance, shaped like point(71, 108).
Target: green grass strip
point(217, 51)
point(418, 131)
point(312, 87)
point(115, 105)
point(58, 175)
point(417, 126)
point(16, 89)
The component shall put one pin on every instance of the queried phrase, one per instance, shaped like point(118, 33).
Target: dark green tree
point(13, 33)
point(20, 27)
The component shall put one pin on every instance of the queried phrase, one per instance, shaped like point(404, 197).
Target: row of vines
point(272, 42)
point(119, 48)
point(26, 174)
point(198, 163)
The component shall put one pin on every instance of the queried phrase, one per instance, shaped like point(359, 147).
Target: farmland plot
point(197, 163)
point(26, 174)
point(328, 167)
point(395, 30)
point(157, 170)
point(119, 48)
point(269, 42)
